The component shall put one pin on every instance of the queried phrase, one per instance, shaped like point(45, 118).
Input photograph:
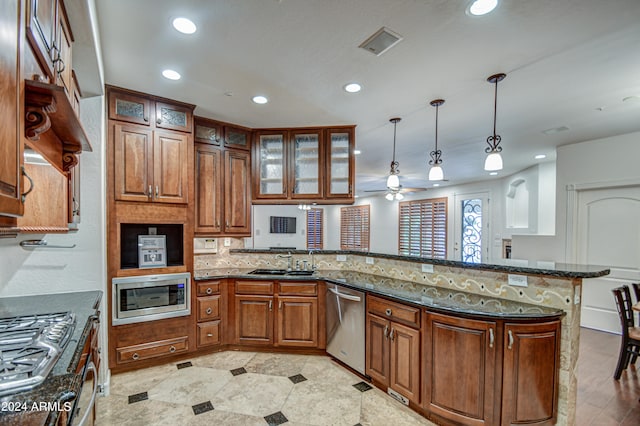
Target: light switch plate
point(227, 241)
point(341, 258)
point(369, 260)
point(427, 268)
point(518, 280)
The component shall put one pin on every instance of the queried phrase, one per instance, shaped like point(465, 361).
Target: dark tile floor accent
point(362, 386)
point(203, 407)
point(238, 371)
point(276, 419)
point(138, 397)
point(184, 365)
point(297, 378)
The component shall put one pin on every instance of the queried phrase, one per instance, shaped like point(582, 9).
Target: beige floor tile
point(227, 360)
point(190, 386)
point(276, 364)
point(323, 368)
point(115, 410)
point(379, 409)
point(219, 417)
point(142, 380)
point(253, 394)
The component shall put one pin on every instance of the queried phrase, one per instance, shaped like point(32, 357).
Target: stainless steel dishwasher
point(345, 325)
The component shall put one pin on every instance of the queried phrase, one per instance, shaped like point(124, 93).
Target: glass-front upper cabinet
point(307, 155)
point(269, 169)
point(340, 163)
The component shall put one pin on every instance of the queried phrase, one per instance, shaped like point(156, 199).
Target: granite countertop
point(436, 299)
point(511, 266)
point(62, 383)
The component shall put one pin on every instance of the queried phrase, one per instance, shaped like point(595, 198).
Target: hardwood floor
point(603, 401)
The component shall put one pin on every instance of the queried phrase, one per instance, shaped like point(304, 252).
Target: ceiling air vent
point(383, 40)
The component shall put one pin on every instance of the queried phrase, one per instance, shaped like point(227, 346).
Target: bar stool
point(630, 345)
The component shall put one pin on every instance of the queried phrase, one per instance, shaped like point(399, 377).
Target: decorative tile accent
point(203, 407)
point(142, 396)
point(238, 371)
point(276, 419)
point(297, 378)
point(362, 386)
point(184, 365)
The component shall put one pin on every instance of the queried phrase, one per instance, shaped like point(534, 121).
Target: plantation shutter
point(354, 228)
point(423, 228)
point(314, 229)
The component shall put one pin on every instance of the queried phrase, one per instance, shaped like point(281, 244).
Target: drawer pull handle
point(209, 310)
point(135, 356)
point(491, 337)
point(172, 349)
point(209, 335)
point(209, 290)
point(388, 311)
point(510, 339)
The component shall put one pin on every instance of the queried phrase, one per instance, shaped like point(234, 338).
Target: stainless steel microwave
point(150, 297)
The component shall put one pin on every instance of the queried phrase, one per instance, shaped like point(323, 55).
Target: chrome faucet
point(313, 265)
point(288, 257)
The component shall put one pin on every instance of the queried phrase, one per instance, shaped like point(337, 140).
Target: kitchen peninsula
point(490, 301)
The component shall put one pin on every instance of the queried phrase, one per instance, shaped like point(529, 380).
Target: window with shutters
point(354, 228)
point(314, 229)
point(423, 228)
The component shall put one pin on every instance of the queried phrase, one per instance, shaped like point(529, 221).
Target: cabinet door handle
point(491, 337)
point(146, 119)
point(135, 356)
point(156, 191)
point(209, 310)
point(388, 312)
point(280, 305)
point(172, 349)
point(150, 192)
point(159, 121)
point(510, 334)
point(386, 332)
point(23, 196)
point(209, 335)
point(209, 290)
point(270, 305)
point(391, 334)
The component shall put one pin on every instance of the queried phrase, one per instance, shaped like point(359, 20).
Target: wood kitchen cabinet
point(288, 318)
point(150, 166)
point(223, 201)
point(303, 164)
point(393, 346)
point(210, 312)
point(530, 373)
point(459, 368)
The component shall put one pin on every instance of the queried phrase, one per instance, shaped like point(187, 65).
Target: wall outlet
point(227, 242)
point(518, 280)
point(576, 297)
point(427, 268)
point(341, 257)
point(369, 260)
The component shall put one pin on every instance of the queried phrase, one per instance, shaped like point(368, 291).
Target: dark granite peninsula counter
point(45, 403)
point(507, 291)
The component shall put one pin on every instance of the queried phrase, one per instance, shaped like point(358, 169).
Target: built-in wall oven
point(150, 297)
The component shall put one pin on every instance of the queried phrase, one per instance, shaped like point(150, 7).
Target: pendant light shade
point(393, 181)
point(494, 159)
point(436, 173)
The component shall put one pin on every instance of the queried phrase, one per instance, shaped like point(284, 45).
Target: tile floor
point(248, 388)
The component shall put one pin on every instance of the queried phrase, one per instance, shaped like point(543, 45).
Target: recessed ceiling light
point(540, 156)
point(357, 152)
point(352, 87)
point(260, 99)
point(184, 25)
point(482, 7)
point(171, 74)
point(493, 173)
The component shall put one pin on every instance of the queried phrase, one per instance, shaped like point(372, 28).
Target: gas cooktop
point(30, 345)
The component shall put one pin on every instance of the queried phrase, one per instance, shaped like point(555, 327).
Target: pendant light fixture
point(393, 182)
point(494, 159)
point(436, 173)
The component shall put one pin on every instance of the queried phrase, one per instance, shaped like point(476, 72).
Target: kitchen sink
point(279, 272)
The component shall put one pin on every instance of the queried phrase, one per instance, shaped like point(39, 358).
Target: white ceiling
point(568, 63)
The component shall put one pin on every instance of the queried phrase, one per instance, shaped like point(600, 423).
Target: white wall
point(261, 225)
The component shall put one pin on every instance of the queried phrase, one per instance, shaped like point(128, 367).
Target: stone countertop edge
point(515, 266)
point(63, 383)
point(524, 311)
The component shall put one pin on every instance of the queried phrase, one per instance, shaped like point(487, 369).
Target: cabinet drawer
point(394, 311)
point(208, 287)
point(209, 333)
point(153, 349)
point(208, 308)
point(254, 287)
point(298, 288)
